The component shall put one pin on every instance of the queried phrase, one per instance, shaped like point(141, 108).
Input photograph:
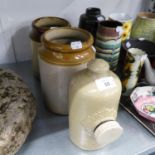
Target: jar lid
point(107, 132)
point(93, 11)
point(98, 66)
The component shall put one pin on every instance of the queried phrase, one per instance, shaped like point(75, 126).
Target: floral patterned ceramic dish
point(143, 99)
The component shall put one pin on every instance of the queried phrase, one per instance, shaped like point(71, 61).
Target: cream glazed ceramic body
point(94, 96)
point(55, 81)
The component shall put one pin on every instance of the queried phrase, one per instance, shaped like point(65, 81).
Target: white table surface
point(49, 135)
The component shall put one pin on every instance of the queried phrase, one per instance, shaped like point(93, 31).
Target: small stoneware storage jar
point(94, 95)
point(144, 26)
point(39, 26)
point(65, 51)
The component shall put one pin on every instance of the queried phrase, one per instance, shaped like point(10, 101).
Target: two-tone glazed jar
point(65, 51)
point(39, 26)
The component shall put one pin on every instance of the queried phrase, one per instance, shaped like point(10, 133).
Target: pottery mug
point(126, 20)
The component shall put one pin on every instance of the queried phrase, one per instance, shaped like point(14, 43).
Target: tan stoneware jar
point(39, 26)
point(64, 52)
point(94, 95)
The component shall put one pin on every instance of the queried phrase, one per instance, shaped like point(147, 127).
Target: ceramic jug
point(64, 52)
point(144, 26)
point(144, 45)
point(108, 42)
point(133, 64)
point(91, 19)
point(39, 26)
point(94, 95)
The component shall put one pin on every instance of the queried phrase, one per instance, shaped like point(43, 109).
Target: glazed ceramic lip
point(59, 49)
point(122, 17)
point(108, 28)
point(148, 15)
point(60, 38)
point(43, 24)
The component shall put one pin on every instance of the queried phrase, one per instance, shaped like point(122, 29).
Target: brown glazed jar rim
point(66, 48)
point(147, 15)
point(62, 54)
point(42, 29)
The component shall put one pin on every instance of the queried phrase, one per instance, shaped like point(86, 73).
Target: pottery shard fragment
point(17, 112)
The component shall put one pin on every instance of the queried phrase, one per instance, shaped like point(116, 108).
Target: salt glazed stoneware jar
point(64, 52)
point(108, 42)
point(144, 26)
point(39, 26)
point(94, 96)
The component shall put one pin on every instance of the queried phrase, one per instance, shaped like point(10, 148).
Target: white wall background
point(16, 17)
